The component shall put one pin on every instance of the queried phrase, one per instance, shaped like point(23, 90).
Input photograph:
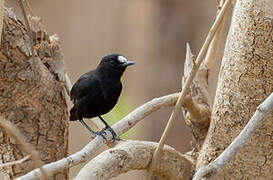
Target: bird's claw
point(114, 135)
point(101, 133)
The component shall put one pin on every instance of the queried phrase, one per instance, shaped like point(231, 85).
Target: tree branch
point(21, 4)
point(188, 82)
point(120, 127)
point(15, 162)
point(242, 139)
point(136, 155)
point(1, 17)
point(215, 43)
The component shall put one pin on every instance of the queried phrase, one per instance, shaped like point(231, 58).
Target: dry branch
point(21, 4)
point(215, 43)
point(120, 127)
point(242, 139)
point(1, 17)
point(136, 155)
point(188, 82)
point(15, 162)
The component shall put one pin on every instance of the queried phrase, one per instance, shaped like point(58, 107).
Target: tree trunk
point(31, 97)
point(245, 80)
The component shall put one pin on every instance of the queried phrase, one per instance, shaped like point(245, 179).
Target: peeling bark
point(245, 80)
point(31, 97)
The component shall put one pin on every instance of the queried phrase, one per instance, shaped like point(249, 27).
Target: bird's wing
point(82, 86)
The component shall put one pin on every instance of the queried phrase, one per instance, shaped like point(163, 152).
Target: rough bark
point(31, 97)
point(245, 80)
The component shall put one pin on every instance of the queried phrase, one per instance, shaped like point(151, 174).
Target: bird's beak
point(128, 63)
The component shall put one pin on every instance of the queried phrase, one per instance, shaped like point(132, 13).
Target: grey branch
point(242, 139)
point(136, 155)
point(120, 127)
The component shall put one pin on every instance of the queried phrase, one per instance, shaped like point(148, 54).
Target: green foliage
point(121, 109)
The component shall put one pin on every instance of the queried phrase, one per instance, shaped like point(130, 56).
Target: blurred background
point(152, 33)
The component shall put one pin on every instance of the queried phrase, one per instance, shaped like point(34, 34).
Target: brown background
point(152, 33)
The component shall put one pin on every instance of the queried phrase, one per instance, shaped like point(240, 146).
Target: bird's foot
point(114, 135)
point(101, 133)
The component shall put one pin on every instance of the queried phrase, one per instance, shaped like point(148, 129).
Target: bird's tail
point(73, 114)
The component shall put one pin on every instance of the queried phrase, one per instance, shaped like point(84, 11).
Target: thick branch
point(136, 155)
point(120, 127)
point(242, 139)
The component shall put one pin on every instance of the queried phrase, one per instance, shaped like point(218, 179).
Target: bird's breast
point(111, 96)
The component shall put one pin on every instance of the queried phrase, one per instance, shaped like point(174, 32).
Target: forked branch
point(242, 139)
point(188, 82)
point(120, 127)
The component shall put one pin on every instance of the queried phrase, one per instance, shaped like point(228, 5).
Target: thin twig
point(29, 8)
point(242, 139)
point(21, 4)
point(120, 127)
point(13, 131)
point(189, 80)
point(20, 161)
point(214, 47)
point(1, 17)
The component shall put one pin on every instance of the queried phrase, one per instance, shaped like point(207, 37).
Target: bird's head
point(114, 65)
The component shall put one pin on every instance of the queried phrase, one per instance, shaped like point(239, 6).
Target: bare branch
point(15, 162)
point(242, 139)
point(189, 80)
point(1, 17)
point(120, 127)
point(215, 43)
point(136, 155)
point(21, 4)
point(29, 8)
point(13, 131)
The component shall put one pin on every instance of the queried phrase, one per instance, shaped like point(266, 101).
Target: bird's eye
point(112, 63)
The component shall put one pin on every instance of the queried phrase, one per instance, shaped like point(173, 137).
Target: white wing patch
point(122, 59)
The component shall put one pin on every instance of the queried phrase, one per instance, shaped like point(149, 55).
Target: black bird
point(96, 92)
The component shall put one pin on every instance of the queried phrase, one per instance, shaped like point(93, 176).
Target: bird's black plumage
point(96, 92)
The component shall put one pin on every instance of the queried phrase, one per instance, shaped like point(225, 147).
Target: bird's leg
point(101, 133)
point(109, 128)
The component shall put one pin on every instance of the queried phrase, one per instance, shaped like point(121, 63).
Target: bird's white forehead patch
point(122, 59)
